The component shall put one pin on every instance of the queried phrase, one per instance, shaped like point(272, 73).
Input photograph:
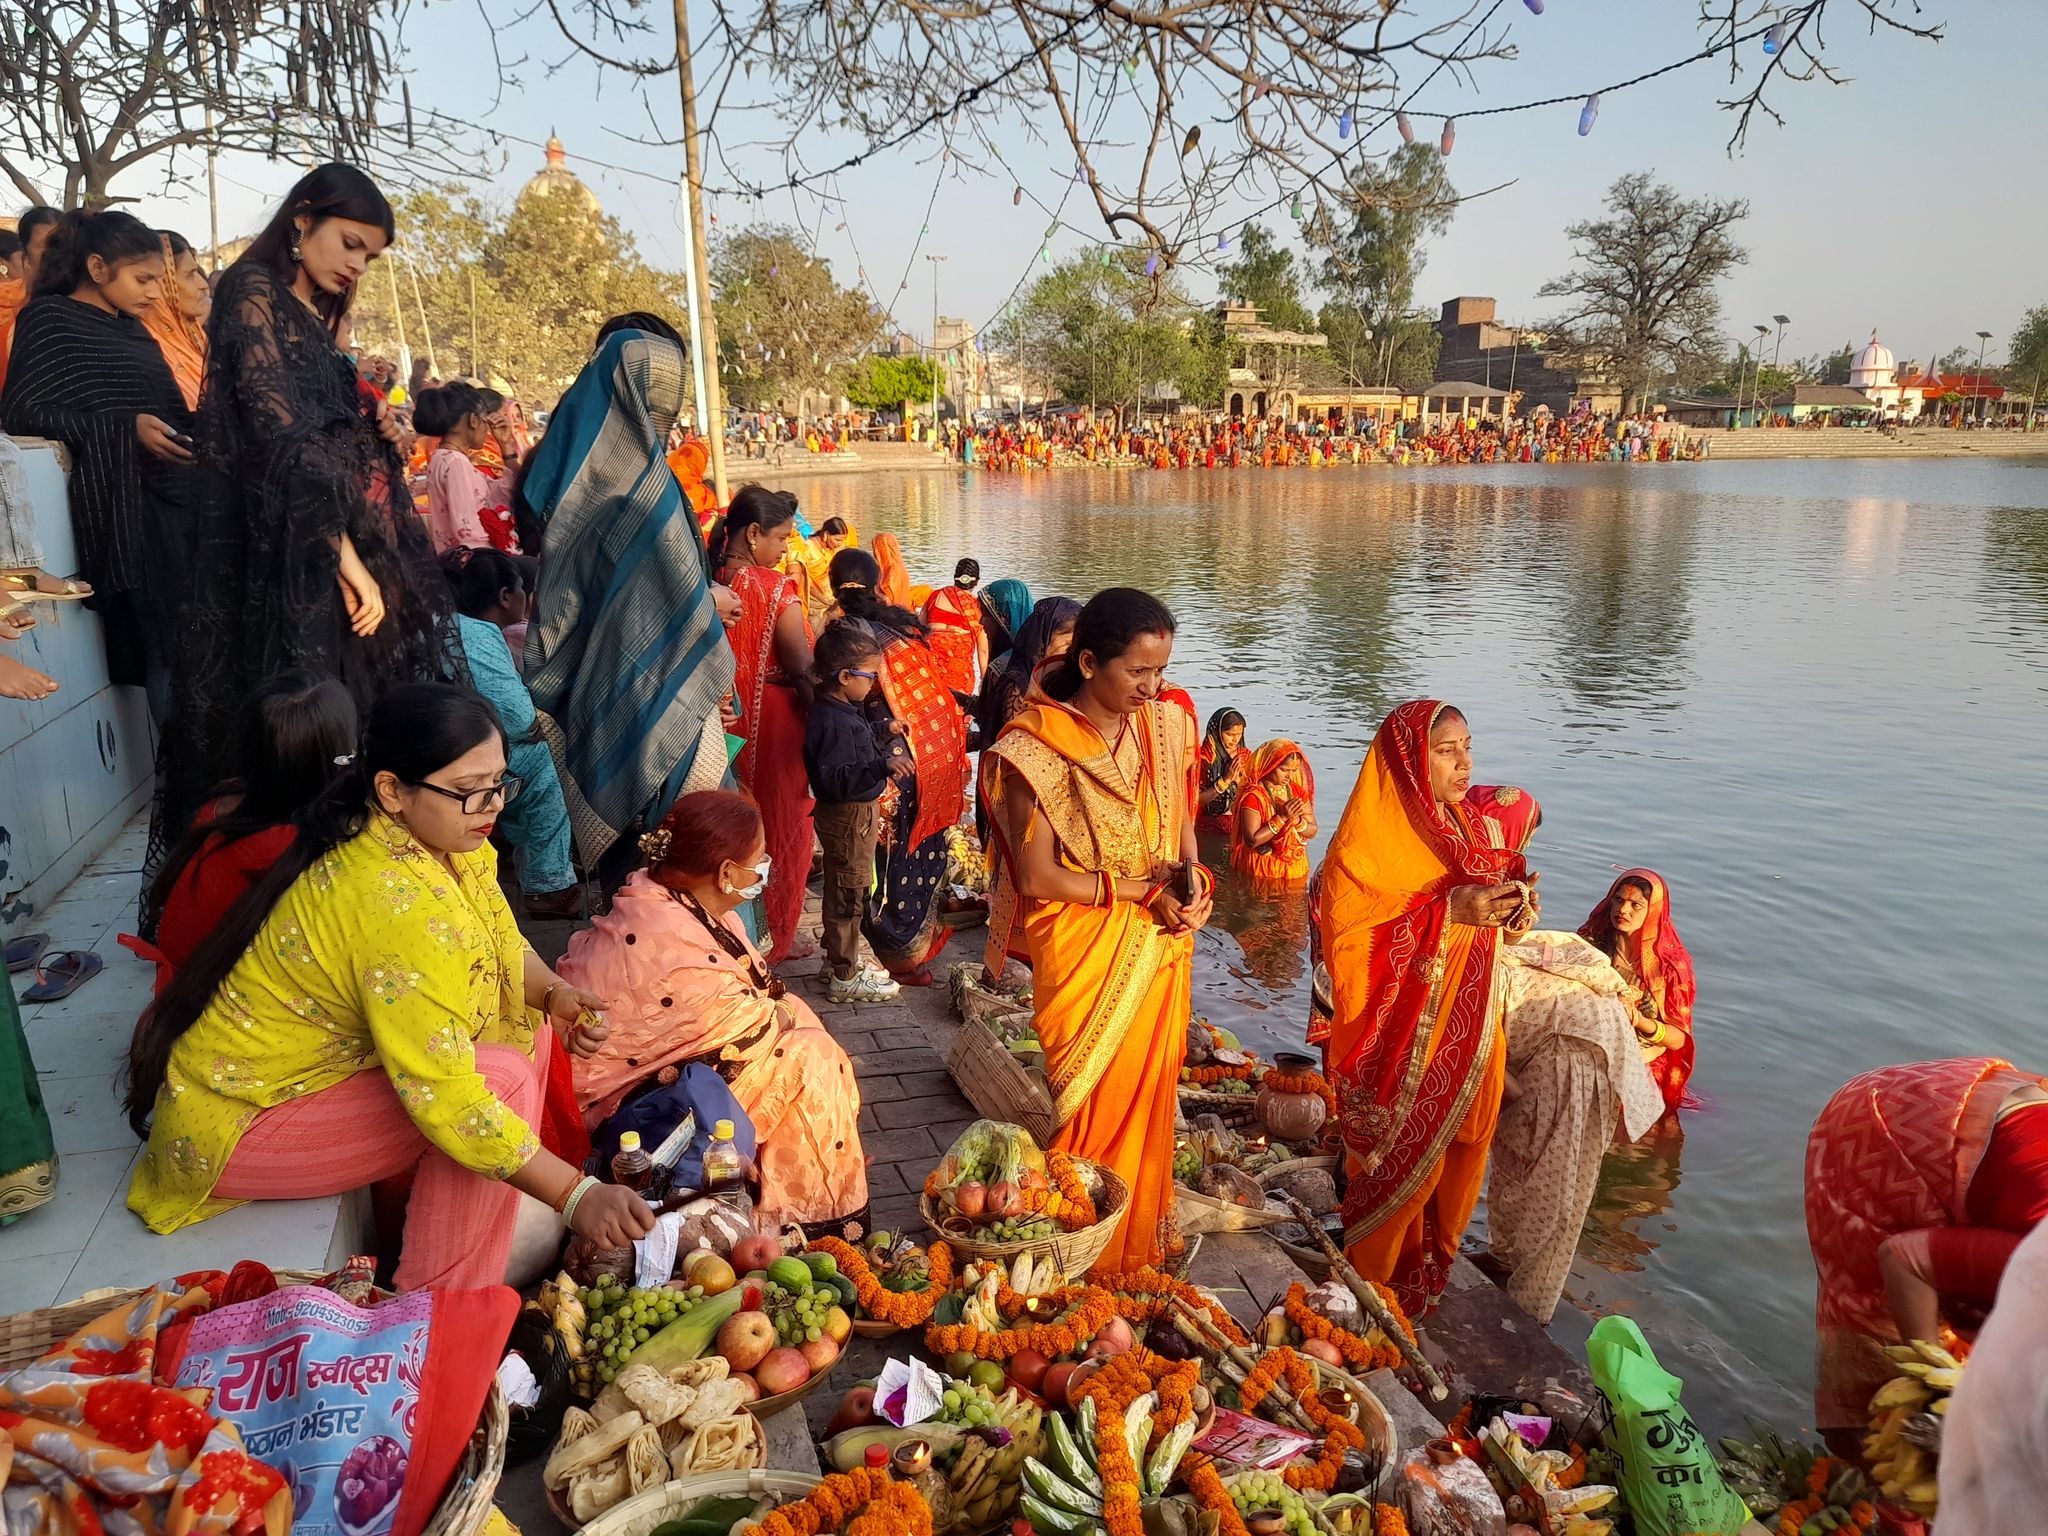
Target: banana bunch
point(987, 1479)
point(1905, 1423)
point(558, 1299)
point(979, 1308)
point(1063, 1487)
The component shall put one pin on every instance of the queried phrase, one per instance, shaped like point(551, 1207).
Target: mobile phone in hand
point(1183, 883)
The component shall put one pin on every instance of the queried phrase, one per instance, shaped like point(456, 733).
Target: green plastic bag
point(1668, 1473)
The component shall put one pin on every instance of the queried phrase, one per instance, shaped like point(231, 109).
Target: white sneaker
point(862, 987)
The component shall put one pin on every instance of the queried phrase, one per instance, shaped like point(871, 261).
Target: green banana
point(1049, 1486)
point(1047, 1520)
point(1138, 1427)
point(1066, 1455)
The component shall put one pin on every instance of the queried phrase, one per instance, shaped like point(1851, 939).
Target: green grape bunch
point(622, 1318)
point(1266, 1490)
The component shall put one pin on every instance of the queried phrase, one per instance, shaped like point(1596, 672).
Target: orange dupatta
point(182, 343)
point(1113, 991)
point(1415, 1047)
point(895, 582)
point(13, 298)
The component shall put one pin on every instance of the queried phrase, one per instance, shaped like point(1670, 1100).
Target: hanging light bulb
point(1775, 38)
point(1589, 114)
point(1152, 265)
point(1294, 208)
point(1016, 200)
point(1223, 242)
point(1259, 90)
point(1344, 125)
point(1535, 7)
point(925, 231)
point(1045, 253)
point(1131, 66)
point(1443, 145)
point(1407, 128)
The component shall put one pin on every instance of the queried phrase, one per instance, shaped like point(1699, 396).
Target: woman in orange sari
point(177, 320)
point(1921, 1180)
point(1276, 817)
point(894, 587)
point(958, 639)
point(1089, 792)
point(1633, 928)
point(919, 716)
point(772, 681)
point(1414, 902)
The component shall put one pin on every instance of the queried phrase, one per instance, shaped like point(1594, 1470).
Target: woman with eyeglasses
point(372, 992)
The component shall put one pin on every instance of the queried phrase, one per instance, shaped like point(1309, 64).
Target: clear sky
point(1887, 202)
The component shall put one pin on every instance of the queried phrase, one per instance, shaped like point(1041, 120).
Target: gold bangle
point(547, 999)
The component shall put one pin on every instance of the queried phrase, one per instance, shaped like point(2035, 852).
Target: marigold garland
point(1303, 1082)
point(827, 1507)
point(1142, 1296)
point(899, 1510)
point(1119, 1383)
point(906, 1309)
point(1199, 1473)
point(1792, 1517)
point(1085, 1308)
point(1361, 1354)
point(1207, 1077)
point(1574, 1474)
point(1339, 1433)
point(1387, 1520)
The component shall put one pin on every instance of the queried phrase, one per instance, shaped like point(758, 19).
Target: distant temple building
point(1476, 348)
point(555, 178)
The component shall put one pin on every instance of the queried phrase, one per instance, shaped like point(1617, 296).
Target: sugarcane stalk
point(1237, 1364)
point(1369, 1299)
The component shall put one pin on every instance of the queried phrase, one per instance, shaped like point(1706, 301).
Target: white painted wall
point(76, 766)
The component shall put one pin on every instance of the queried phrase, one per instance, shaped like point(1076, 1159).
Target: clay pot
point(1443, 1451)
point(1291, 1116)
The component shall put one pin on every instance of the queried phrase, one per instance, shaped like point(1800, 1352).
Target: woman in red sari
point(1633, 927)
point(923, 720)
point(1921, 1180)
point(772, 683)
point(1226, 770)
point(1276, 818)
point(958, 641)
point(1414, 901)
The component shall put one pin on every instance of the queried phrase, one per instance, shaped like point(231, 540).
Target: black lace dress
point(290, 461)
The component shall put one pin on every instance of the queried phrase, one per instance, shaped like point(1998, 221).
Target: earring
point(295, 247)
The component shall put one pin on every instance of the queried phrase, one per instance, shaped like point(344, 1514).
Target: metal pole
point(694, 303)
point(1516, 343)
point(935, 260)
point(705, 325)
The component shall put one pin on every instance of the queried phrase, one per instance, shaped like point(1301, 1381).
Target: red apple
point(1003, 1199)
point(1321, 1349)
point(1028, 1368)
point(1053, 1385)
point(1114, 1339)
point(855, 1409)
point(971, 1199)
point(782, 1370)
point(745, 1339)
point(819, 1353)
point(750, 1389)
point(757, 1251)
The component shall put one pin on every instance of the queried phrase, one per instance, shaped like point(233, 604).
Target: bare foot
point(19, 682)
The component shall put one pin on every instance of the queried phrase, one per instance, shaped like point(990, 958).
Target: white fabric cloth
point(1994, 1438)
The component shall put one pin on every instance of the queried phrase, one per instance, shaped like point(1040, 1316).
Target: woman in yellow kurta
point(369, 1008)
point(1414, 902)
point(1276, 818)
point(1089, 790)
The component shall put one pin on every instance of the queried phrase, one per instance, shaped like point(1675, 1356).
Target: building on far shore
point(1473, 344)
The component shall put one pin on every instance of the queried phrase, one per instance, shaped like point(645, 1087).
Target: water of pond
point(1812, 694)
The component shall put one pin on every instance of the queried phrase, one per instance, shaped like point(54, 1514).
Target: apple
point(754, 1252)
point(855, 1409)
point(1028, 1368)
point(959, 1363)
point(745, 1339)
point(1003, 1199)
point(1323, 1350)
point(1053, 1385)
point(971, 1199)
point(704, 1268)
point(782, 1370)
point(837, 1326)
point(1115, 1338)
point(819, 1353)
point(750, 1389)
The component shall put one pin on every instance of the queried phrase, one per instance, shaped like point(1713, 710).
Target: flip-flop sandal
point(26, 950)
point(63, 974)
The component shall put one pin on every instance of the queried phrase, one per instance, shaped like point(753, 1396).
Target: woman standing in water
point(1226, 769)
point(1093, 787)
point(1633, 928)
point(1276, 818)
point(308, 550)
point(1414, 906)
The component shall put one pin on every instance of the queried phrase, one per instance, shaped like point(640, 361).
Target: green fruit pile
point(622, 1319)
point(1021, 1229)
point(1265, 1490)
point(1187, 1162)
point(799, 1316)
point(965, 1403)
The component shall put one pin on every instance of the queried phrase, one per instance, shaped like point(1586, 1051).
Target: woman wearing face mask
point(308, 550)
point(85, 371)
point(685, 985)
point(372, 992)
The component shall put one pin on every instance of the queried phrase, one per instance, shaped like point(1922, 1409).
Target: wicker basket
point(1197, 1212)
point(1074, 1253)
point(27, 1336)
point(1238, 1111)
point(1381, 1440)
point(1000, 1086)
point(644, 1511)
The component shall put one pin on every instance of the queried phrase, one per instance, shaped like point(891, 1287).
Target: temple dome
point(556, 177)
point(1874, 367)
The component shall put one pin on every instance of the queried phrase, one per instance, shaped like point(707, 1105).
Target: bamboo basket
point(26, 1337)
point(1000, 1086)
point(1074, 1253)
point(641, 1513)
point(1238, 1111)
point(1197, 1212)
point(1381, 1441)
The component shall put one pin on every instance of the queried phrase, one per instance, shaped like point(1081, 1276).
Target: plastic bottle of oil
point(631, 1166)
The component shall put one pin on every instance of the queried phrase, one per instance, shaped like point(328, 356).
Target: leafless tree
point(1795, 45)
point(90, 89)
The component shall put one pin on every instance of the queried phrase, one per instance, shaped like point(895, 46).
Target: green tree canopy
point(1371, 257)
point(1265, 273)
point(785, 325)
point(878, 383)
point(1105, 336)
point(2027, 358)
